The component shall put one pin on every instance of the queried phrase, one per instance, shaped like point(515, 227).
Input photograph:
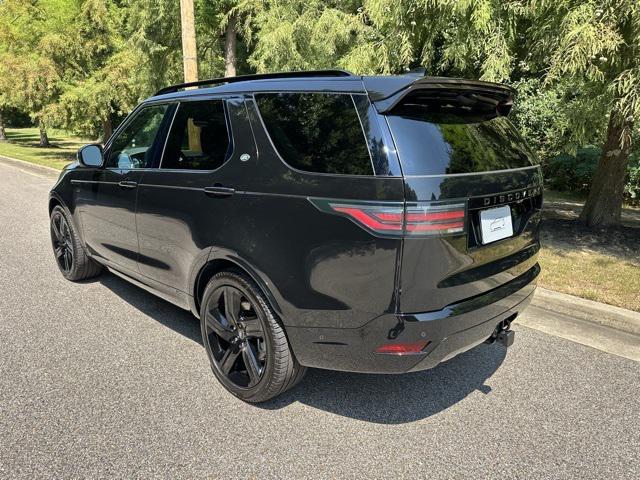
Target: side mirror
point(91, 155)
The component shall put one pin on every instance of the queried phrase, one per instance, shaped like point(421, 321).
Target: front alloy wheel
point(62, 242)
point(70, 255)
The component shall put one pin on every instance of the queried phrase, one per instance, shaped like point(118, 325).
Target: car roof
point(318, 80)
point(384, 90)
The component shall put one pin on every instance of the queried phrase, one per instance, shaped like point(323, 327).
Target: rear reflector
point(402, 348)
point(396, 219)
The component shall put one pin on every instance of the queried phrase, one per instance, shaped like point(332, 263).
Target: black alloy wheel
point(62, 242)
point(246, 344)
point(236, 336)
point(70, 255)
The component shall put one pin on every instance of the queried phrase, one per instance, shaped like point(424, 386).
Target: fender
point(74, 222)
point(264, 282)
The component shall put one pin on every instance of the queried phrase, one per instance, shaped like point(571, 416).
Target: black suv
point(314, 219)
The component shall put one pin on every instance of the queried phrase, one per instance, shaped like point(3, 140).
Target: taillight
point(396, 219)
point(435, 218)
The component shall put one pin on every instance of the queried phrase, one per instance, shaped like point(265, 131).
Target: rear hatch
point(471, 176)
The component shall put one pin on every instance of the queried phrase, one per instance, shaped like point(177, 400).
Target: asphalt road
point(103, 380)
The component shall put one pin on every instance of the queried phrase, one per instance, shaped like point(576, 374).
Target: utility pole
point(190, 62)
point(230, 48)
point(189, 55)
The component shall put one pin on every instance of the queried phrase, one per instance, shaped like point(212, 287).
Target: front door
point(107, 198)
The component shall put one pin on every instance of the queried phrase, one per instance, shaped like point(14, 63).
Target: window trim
point(227, 120)
point(305, 172)
point(127, 121)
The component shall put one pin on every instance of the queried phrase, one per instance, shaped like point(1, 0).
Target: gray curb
point(588, 310)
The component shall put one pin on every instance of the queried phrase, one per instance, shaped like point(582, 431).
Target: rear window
point(199, 139)
point(316, 132)
point(442, 143)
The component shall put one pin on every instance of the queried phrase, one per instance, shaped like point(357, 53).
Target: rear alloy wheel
point(69, 253)
point(247, 347)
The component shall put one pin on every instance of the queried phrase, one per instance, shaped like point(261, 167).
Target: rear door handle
point(128, 184)
point(219, 191)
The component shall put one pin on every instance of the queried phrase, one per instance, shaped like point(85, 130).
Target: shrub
point(573, 173)
point(632, 186)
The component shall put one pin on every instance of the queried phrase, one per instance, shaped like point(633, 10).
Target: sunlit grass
point(591, 275)
point(22, 144)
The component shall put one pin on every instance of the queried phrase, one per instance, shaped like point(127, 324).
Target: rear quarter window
point(316, 132)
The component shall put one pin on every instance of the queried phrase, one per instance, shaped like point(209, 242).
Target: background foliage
point(83, 64)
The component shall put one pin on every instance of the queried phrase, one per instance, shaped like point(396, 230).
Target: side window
point(199, 138)
point(133, 147)
point(316, 132)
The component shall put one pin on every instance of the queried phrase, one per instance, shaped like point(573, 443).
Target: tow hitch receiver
point(506, 337)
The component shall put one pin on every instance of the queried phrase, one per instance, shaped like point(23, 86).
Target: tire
point(70, 255)
point(248, 350)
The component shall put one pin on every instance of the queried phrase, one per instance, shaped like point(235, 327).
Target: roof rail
point(258, 76)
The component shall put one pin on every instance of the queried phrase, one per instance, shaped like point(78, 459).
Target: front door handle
point(219, 191)
point(128, 184)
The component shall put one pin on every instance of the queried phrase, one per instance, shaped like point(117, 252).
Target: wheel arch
point(225, 260)
point(55, 201)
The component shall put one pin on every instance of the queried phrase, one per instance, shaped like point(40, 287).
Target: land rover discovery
point(314, 219)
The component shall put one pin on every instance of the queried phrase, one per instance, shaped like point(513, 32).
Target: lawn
point(601, 265)
point(598, 264)
point(23, 144)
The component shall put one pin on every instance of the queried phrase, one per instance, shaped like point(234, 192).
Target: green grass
point(22, 144)
point(591, 275)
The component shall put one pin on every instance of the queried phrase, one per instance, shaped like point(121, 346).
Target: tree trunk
point(44, 139)
point(107, 129)
point(604, 204)
point(3, 135)
point(230, 43)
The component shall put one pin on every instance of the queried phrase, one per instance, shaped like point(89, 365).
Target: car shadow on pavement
point(386, 399)
point(395, 399)
point(175, 318)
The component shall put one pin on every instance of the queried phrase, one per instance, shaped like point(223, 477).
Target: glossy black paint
point(338, 289)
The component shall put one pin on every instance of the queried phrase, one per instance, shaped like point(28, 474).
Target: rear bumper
point(450, 331)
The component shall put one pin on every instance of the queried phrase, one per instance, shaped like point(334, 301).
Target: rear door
point(467, 169)
point(186, 204)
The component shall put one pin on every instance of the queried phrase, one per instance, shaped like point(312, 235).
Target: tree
point(30, 36)
point(596, 44)
point(97, 81)
point(304, 34)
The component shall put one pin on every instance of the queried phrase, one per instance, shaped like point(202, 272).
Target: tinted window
point(434, 144)
point(316, 132)
point(134, 146)
point(199, 139)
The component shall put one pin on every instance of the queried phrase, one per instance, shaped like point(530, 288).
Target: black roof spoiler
point(258, 76)
point(495, 93)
